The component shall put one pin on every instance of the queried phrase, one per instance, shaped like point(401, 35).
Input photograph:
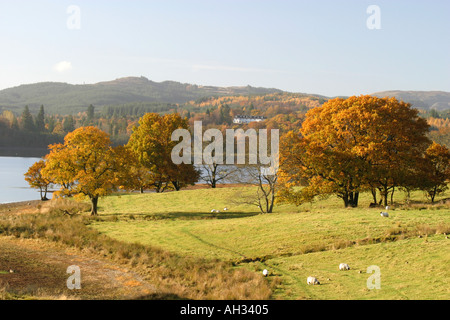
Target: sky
point(338, 47)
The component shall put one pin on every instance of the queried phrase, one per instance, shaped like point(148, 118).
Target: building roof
point(249, 117)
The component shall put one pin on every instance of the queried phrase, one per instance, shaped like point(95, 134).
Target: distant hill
point(66, 98)
point(63, 98)
point(427, 100)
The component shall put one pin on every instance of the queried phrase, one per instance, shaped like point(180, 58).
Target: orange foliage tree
point(350, 145)
point(437, 170)
point(151, 142)
point(36, 180)
point(84, 165)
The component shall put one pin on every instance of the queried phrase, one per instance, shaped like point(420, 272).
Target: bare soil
point(38, 268)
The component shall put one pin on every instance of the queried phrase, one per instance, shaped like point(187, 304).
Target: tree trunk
point(385, 197)
point(355, 199)
point(45, 194)
point(374, 195)
point(94, 206)
point(271, 203)
point(346, 200)
point(176, 185)
point(392, 196)
point(351, 199)
point(142, 190)
point(433, 194)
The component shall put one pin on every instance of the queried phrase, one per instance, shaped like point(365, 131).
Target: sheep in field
point(312, 280)
point(344, 266)
point(265, 272)
point(384, 214)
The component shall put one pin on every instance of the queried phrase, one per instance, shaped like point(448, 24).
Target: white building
point(247, 119)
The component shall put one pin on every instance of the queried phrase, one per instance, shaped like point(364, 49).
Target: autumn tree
point(436, 170)
point(152, 144)
point(351, 145)
point(131, 174)
point(36, 180)
point(83, 165)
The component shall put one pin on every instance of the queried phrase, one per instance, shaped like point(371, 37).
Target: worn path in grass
point(40, 271)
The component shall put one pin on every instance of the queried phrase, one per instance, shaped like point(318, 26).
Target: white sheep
point(265, 272)
point(225, 209)
point(312, 280)
point(384, 214)
point(344, 266)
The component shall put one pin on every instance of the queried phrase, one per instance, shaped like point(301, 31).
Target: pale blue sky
point(321, 47)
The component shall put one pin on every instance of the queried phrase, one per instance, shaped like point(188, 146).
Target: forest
point(27, 133)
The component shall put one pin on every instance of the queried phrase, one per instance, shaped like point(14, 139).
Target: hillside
point(66, 98)
point(427, 100)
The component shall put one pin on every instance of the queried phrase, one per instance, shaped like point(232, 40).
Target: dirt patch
point(39, 269)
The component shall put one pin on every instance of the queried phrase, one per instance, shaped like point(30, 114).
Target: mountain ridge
point(65, 98)
point(427, 100)
point(59, 96)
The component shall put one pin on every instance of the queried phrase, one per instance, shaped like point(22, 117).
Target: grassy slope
point(181, 222)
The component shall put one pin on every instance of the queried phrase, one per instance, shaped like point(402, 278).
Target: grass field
point(410, 247)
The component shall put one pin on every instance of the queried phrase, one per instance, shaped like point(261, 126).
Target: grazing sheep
point(11, 271)
point(215, 211)
point(344, 266)
point(265, 272)
point(225, 209)
point(387, 208)
point(312, 280)
point(384, 214)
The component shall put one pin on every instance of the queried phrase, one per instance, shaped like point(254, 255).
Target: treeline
point(284, 111)
point(27, 131)
point(38, 131)
point(136, 109)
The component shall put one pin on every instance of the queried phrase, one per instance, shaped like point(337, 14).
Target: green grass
point(409, 269)
point(296, 242)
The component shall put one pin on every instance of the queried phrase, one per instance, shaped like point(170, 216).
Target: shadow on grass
point(177, 215)
point(160, 296)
